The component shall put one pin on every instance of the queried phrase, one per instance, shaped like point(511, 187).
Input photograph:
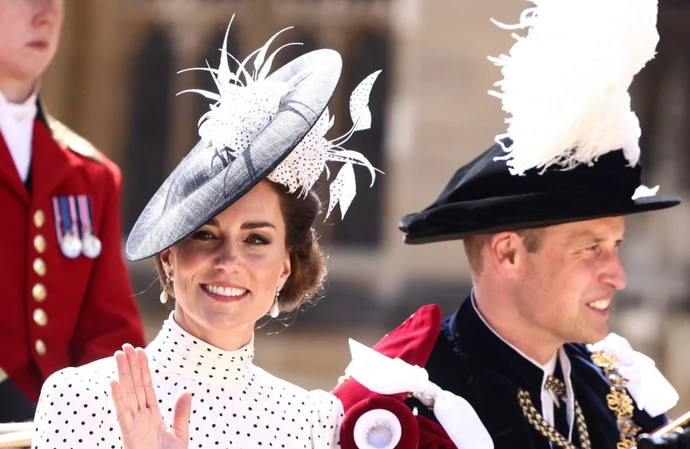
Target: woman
point(232, 232)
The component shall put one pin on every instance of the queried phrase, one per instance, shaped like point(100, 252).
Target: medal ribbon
point(58, 219)
point(64, 212)
point(84, 214)
point(74, 215)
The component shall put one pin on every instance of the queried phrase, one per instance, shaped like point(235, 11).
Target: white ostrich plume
point(245, 103)
point(302, 168)
point(565, 84)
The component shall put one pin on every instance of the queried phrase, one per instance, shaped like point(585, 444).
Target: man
point(541, 216)
point(67, 298)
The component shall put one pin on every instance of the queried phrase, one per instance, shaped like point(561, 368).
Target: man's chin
point(595, 336)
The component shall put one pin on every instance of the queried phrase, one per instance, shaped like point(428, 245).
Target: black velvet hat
point(571, 150)
point(483, 197)
point(259, 126)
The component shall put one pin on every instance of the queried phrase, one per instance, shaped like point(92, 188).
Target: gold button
point(39, 292)
point(39, 266)
point(41, 347)
point(40, 243)
point(39, 218)
point(40, 317)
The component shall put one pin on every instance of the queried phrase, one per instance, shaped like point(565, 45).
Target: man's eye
point(594, 249)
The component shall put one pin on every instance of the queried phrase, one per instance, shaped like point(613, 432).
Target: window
point(149, 121)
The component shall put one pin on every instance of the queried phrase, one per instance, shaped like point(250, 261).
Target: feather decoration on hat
point(565, 84)
point(245, 103)
point(304, 165)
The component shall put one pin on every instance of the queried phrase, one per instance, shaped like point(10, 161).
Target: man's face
point(29, 36)
point(567, 285)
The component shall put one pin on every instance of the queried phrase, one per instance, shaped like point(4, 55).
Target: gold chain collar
point(537, 421)
point(618, 400)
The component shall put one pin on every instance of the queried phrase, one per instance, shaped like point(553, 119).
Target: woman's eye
point(202, 235)
point(255, 239)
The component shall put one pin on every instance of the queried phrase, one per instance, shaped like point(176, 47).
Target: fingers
point(183, 408)
point(126, 387)
point(135, 372)
point(121, 407)
point(147, 383)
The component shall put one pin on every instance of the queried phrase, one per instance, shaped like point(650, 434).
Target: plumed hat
point(571, 151)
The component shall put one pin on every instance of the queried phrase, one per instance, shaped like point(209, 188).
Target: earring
point(275, 308)
point(164, 294)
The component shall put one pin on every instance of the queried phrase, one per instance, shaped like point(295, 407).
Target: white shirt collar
point(179, 351)
point(20, 112)
point(548, 397)
point(17, 126)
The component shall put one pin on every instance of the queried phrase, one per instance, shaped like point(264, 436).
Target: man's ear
point(504, 253)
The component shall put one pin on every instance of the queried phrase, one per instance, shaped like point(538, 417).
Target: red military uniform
point(57, 311)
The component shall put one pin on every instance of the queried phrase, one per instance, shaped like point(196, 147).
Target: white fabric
point(384, 375)
point(648, 387)
point(644, 192)
point(377, 429)
point(17, 128)
point(235, 403)
point(549, 399)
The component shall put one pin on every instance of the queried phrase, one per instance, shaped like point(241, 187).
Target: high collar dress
point(235, 404)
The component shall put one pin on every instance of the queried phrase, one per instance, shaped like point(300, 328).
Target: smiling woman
point(233, 233)
point(259, 254)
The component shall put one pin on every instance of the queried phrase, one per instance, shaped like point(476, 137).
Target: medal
point(91, 245)
point(70, 246)
point(66, 225)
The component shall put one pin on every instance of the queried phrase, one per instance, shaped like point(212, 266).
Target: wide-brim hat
point(571, 150)
point(483, 197)
point(207, 180)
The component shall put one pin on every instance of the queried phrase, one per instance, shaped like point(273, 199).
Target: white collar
point(550, 365)
point(19, 112)
point(548, 398)
point(177, 350)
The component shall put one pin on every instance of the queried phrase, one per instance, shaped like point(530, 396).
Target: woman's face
point(225, 275)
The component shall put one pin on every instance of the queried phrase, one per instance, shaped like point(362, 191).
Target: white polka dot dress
point(235, 404)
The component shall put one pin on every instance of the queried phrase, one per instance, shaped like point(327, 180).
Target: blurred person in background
point(233, 233)
point(541, 215)
point(67, 298)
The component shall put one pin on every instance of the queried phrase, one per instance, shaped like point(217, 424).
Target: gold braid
point(537, 421)
point(618, 400)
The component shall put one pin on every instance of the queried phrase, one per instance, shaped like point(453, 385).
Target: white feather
point(342, 190)
point(241, 110)
point(565, 84)
point(302, 168)
point(359, 103)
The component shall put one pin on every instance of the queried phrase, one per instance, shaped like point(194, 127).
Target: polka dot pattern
point(304, 164)
point(241, 114)
point(235, 404)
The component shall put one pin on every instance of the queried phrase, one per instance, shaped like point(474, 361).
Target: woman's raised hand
point(136, 406)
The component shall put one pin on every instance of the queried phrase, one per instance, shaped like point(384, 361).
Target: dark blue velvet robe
point(471, 361)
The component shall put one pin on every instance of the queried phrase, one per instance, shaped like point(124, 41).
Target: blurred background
point(114, 82)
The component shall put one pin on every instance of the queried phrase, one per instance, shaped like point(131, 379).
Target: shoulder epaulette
point(68, 138)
